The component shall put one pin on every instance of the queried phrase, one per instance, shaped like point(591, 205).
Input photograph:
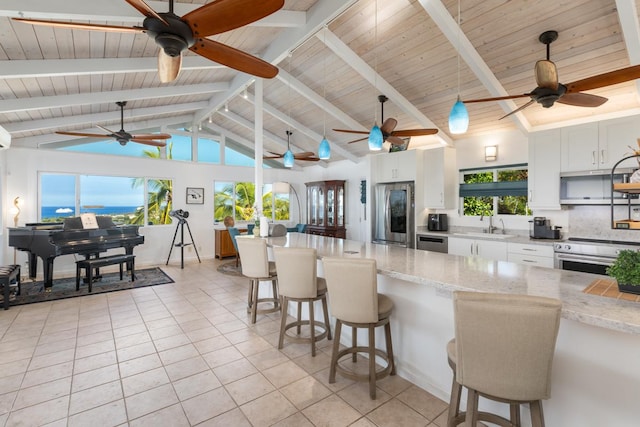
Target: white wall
point(20, 178)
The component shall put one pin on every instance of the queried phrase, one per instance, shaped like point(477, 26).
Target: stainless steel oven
point(589, 255)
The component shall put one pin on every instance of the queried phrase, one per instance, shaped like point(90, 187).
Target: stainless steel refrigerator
point(393, 214)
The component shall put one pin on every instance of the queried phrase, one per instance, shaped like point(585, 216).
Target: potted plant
point(626, 271)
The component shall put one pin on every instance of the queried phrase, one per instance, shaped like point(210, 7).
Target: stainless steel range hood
point(592, 187)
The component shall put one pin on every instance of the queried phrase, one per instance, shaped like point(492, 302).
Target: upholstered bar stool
point(257, 267)
point(503, 350)
point(355, 301)
point(298, 282)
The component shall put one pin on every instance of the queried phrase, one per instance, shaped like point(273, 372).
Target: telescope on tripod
point(181, 216)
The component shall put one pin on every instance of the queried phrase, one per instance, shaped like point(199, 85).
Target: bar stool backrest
point(353, 288)
point(297, 272)
point(505, 343)
point(253, 253)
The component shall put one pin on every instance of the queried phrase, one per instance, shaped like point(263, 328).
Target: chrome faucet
point(491, 228)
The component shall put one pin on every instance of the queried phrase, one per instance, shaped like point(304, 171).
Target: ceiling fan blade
point(606, 79)
point(388, 126)
point(358, 140)
point(88, 135)
point(546, 74)
point(394, 140)
point(518, 109)
point(414, 132)
point(497, 98)
point(272, 157)
point(309, 159)
point(106, 130)
point(582, 99)
point(151, 136)
point(226, 15)
point(146, 10)
point(168, 66)
point(304, 154)
point(81, 26)
point(361, 132)
point(149, 142)
point(233, 58)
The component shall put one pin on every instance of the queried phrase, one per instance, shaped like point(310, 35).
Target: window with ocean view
point(121, 198)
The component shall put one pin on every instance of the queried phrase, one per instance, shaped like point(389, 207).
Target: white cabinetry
point(487, 249)
point(544, 170)
point(598, 145)
point(395, 167)
point(522, 253)
point(440, 178)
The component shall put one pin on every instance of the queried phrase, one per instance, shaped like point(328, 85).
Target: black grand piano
point(48, 241)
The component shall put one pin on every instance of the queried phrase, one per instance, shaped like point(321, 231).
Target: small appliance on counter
point(437, 222)
point(541, 229)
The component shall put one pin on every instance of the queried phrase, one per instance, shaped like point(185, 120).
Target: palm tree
point(159, 196)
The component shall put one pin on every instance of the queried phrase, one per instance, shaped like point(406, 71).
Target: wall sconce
point(491, 153)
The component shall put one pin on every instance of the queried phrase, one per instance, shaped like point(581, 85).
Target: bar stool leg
point(298, 328)
point(537, 416)
point(312, 326)
point(334, 353)
point(387, 337)
point(514, 410)
point(372, 362)
point(354, 343)
point(283, 320)
point(454, 403)
point(471, 417)
point(325, 309)
point(254, 303)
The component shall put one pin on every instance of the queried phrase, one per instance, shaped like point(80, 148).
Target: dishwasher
point(433, 243)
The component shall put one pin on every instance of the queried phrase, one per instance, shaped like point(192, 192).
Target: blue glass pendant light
point(324, 150)
point(458, 118)
point(288, 156)
point(375, 138)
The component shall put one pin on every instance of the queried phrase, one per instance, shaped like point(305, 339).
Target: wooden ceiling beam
point(628, 16)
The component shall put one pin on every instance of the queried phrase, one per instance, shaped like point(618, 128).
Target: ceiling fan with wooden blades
point(175, 34)
point(388, 128)
point(122, 136)
point(306, 156)
point(550, 91)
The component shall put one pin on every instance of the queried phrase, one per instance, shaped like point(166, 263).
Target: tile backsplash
point(595, 222)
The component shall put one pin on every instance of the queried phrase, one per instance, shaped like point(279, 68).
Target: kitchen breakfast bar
point(596, 370)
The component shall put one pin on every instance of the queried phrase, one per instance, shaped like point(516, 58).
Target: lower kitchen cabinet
point(521, 253)
point(487, 249)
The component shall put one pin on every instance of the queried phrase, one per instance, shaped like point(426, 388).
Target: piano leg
point(47, 266)
point(33, 265)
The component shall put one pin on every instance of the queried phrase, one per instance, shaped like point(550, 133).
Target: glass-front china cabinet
point(325, 208)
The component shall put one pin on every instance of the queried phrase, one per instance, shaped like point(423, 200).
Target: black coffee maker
point(541, 229)
point(437, 222)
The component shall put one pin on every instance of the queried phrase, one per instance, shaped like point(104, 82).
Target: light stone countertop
point(448, 273)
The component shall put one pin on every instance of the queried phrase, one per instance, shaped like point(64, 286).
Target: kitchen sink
point(485, 235)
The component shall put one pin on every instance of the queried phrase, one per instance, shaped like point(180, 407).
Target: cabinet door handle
point(531, 195)
point(593, 157)
point(471, 251)
point(602, 159)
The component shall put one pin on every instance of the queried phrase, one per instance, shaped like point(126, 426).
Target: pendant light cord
point(375, 60)
point(458, 49)
point(324, 84)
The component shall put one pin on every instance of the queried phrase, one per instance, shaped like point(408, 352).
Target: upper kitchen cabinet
point(440, 178)
point(598, 145)
point(395, 167)
point(544, 170)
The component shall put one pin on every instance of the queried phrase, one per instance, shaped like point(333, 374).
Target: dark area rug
point(66, 287)
point(230, 268)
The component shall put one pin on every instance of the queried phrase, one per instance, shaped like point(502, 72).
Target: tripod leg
point(172, 243)
point(193, 243)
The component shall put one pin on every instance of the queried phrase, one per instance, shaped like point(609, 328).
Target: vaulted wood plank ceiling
point(335, 58)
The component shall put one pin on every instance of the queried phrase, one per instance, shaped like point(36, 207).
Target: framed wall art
point(195, 196)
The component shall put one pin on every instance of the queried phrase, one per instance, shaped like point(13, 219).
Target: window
point(500, 191)
point(237, 199)
point(126, 200)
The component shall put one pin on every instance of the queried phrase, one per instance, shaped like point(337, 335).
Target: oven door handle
point(585, 260)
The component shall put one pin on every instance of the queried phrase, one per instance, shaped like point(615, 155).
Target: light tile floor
point(182, 354)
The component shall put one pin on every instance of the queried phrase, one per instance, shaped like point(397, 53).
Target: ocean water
point(68, 211)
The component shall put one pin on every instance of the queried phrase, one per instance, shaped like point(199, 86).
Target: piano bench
point(9, 274)
point(92, 263)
